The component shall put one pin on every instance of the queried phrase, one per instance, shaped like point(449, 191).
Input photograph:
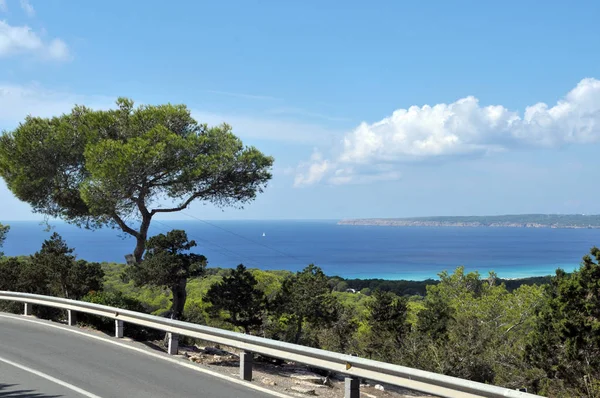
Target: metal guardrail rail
point(354, 368)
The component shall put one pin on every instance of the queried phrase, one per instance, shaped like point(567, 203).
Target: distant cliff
point(513, 221)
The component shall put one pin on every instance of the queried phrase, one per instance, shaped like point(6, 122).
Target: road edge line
point(49, 378)
point(149, 353)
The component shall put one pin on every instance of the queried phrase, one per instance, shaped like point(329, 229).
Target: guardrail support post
point(246, 365)
point(118, 329)
point(27, 309)
point(71, 317)
point(352, 387)
point(173, 343)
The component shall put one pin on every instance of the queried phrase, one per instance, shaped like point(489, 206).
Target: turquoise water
point(349, 251)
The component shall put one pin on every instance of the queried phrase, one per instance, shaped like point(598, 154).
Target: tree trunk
point(140, 246)
point(179, 297)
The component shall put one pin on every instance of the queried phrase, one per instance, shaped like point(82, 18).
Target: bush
point(119, 300)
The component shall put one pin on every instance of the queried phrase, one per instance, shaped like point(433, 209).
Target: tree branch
point(126, 228)
point(181, 207)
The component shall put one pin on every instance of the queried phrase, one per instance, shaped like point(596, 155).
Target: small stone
point(215, 351)
point(309, 384)
point(309, 378)
point(379, 387)
point(305, 391)
point(268, 382)
point(367, 395)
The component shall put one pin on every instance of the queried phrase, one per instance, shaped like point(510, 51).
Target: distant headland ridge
point(514, 221)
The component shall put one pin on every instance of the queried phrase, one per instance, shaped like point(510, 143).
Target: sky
point(370, 109)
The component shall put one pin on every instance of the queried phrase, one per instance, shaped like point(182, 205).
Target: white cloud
point(463, 127)
point(269, 128)
point(17, 101)
point(28, 8)
point(22, 39)
point(315, 169)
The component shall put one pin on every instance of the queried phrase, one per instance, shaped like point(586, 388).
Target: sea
point(410, 253)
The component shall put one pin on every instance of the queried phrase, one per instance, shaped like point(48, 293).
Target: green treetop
point(118, 167)
point(3, 231)
point(238, 295)
point(168, 264)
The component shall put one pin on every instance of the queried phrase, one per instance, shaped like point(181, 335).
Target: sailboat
point(264, 235)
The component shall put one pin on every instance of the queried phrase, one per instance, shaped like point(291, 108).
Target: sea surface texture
point(415, 253)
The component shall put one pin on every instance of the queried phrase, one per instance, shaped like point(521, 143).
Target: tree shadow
point(5, 391)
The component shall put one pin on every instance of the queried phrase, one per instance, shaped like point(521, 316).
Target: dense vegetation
point(545, 337)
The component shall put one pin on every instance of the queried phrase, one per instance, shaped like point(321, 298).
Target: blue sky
point(387, 109)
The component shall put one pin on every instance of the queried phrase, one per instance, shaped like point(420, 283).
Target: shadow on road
point(8, 390)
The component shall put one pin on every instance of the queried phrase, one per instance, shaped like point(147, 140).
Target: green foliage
point(387, 315)
point(239, 297)
point(340, 335)
point(95, 168)
point(306, 297)
point(475, 329)
point(399, 287)
point(566, 342)
point(57, 269)
point(166, 264)
point(118, 300)
point(166, 261)
point(3, 232)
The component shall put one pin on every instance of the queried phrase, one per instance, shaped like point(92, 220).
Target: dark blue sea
point(349, 251)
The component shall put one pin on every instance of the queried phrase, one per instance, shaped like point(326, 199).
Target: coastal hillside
point(515, 221)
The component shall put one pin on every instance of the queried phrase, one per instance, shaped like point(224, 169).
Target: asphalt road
point(41, 361)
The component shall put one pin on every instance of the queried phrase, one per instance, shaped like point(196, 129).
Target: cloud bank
point(28, 8)
point(23, 40)
point(374, 151)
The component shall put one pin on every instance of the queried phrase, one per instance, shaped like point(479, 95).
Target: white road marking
point(50, 378)
point(153, 354)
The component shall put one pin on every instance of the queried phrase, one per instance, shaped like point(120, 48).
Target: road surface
point(40, 361)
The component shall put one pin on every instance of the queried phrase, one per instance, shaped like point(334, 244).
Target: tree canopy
point(307, 296)
point(168, 264)
point(3, 231)
point(566, 342)
point(64, 275)
point(239, 296)
point(119, 167)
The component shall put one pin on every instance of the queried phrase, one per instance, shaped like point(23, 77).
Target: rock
point(309, 384)
point(367, 395)
point(379, 387)
point(215, 351)
point(268, 382)
point(305, 391)
point(327, 382)
point(310, 378)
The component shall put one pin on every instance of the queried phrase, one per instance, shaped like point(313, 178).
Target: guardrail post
point(352, 387)
point(118, 329)
point(27, 309)
point(246, 365)
point(173, 343)
point(71, 317)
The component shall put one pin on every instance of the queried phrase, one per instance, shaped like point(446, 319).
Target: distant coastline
point(567, 221)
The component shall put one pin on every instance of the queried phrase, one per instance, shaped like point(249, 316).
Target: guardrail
point(352, 367)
